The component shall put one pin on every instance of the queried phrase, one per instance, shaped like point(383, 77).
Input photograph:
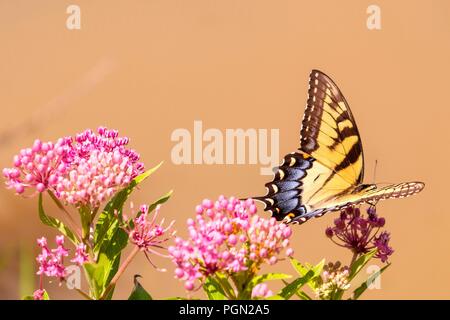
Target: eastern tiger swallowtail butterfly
point(326, 173)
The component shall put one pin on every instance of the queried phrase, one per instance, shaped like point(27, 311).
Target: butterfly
point(326, 173)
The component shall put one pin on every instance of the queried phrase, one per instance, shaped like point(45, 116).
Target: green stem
point(85, 295)
point(355, 255)
point(81, 292)
point(227, 290)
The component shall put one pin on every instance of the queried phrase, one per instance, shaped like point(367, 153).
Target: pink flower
point(100, 167)
point(81, 255)
point(261, 291)
point(39, 294)
point(51, 262)
point(39, 166)
point(85, 170)
point(358, 232)
point(227, 236)
point(149, 235)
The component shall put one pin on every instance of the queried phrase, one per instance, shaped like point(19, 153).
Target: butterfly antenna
point(375, 172)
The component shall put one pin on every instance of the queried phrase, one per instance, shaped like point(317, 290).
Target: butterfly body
point(326, 173)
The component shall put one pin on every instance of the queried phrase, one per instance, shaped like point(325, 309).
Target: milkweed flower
point(81, 255)
point(87, 169)
point(51, 261)
point(38, 167)
point(38, 294)
point(101, 165)
point(261, 290)
point(148, 234)
point(358, 232)
point(382, 244)
point(333, 278)
point(228, 236)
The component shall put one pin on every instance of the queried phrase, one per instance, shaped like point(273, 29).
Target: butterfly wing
point(330, 157)
point(329, 132)
point(372, 196)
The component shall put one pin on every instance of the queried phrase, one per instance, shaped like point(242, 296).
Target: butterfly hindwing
point(370, 195)
point(284, 193)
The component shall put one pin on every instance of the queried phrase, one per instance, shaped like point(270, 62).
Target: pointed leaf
point(139, 293)
point(161, 200)
point(303, 270)
point(108, 217)
point(363, 287)
point(289, 290)
point(213, 289)
point(269, 276)
point(359, 263)
point(222, 279)
point(303, 296)
point(55, 223)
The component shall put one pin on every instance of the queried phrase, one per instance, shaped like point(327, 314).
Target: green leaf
point(139, 293)
point(268, 276)
point(161, 200)
point(55, 223)
point(95, 275)
point(225, 284)
point(107, 218)
point(303, 270)
point(46, 297)
point(303, 296)
point(109, 257)
point(290, 289)
point(363, 287)
point(101, 273)
point(275, 297)
point(359, 263)
point(355, 268)
point(213, 289)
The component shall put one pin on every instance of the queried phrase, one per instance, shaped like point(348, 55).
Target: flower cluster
point(147, 234)
point(334, 278)
point(85, 170)
point(261, 290)
point(228, 236)
point(39, 294)
point(358, 232)
point(38, 167)
point(51, 261)
point(81, 255)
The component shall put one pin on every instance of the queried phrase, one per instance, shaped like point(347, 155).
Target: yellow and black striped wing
point(329, 132)
point(371, 196)
point(297, 188)
point(330, 158)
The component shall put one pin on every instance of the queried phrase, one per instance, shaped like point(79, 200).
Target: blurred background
point(150, 67)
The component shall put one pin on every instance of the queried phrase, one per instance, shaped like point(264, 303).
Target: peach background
point(149, 67)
